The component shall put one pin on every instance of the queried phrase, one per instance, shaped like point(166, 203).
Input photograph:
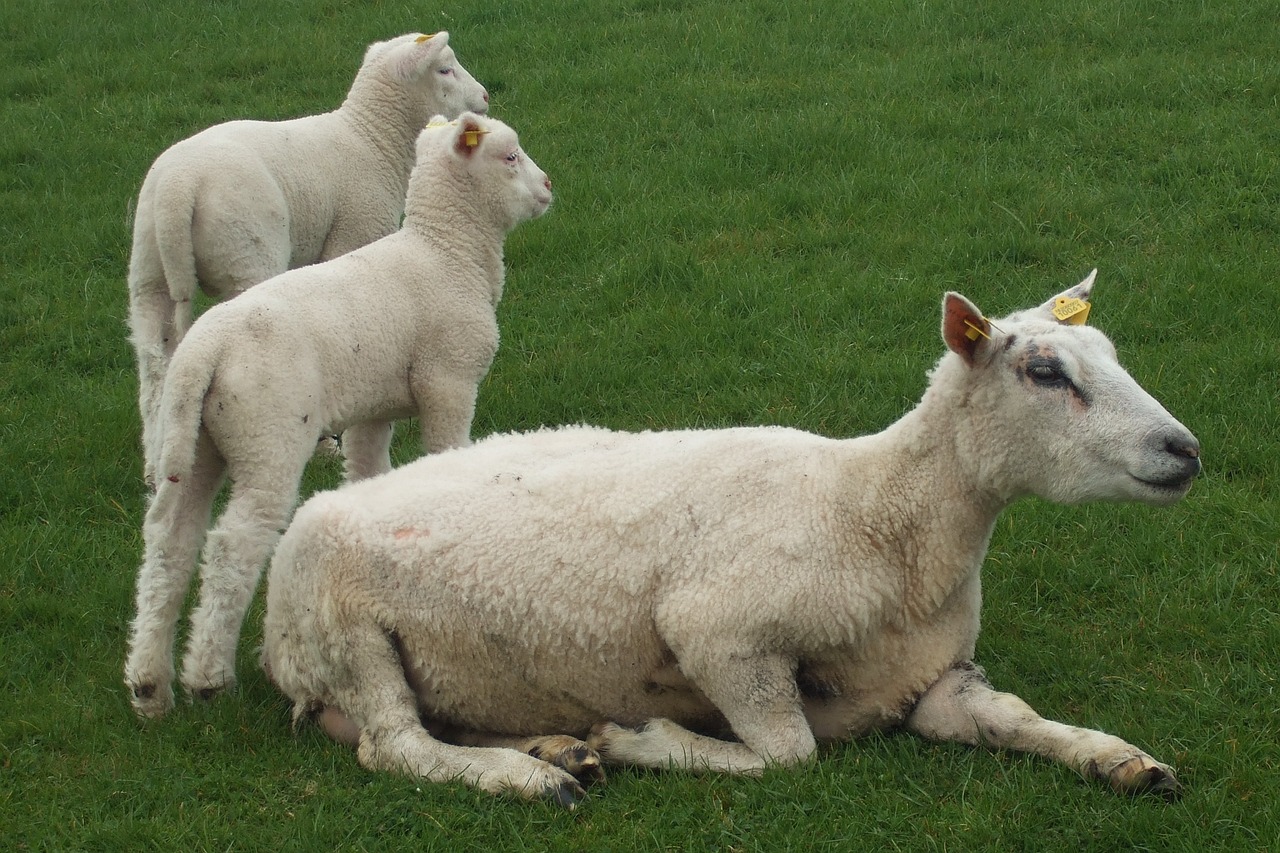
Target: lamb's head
point(1049, 405)
point(426, 67)
point(480, 157)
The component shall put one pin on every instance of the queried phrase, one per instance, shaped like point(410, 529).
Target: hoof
point(1159, 782)
point(566, 794)
point(1142, 776)
point(572, 756)
point(149, 700)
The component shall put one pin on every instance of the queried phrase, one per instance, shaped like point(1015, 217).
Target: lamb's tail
point(182, 405)
point(174, 215)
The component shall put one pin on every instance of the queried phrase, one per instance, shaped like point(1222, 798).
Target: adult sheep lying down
point(405, 326)
point(584, 595)
point(243, 201)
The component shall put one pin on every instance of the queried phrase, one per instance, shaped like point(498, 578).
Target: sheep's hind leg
point(962, 706)
point(235, 553)
point(173, 530)
point(375, 698)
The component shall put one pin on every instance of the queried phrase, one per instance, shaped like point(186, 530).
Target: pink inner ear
point(963, 329)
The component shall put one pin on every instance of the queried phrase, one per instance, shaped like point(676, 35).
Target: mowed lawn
point(759, 207)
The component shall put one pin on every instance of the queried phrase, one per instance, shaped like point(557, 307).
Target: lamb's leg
point(367, 450)
point(235, 552)
point(446, 405)
point(757, 695)
point(173, 531)
point(373, 695)
point(962, 706)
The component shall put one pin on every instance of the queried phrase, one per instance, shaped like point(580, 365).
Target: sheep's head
point(1056, 413)
point(426, 65)
point(486, 161)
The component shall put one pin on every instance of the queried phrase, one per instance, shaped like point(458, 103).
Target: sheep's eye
point(446, 71)
point(1047, 373)
point(512, 157)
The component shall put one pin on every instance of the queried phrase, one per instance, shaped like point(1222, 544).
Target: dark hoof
point(567, 794)
point(1160, 783)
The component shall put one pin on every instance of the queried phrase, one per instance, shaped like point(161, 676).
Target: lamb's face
point(454, 90)
point(427, 70)
point(525, 188)
point(1067, 421)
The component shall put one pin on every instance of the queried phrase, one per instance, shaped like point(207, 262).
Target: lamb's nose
point(486, 96)
point(547, 183)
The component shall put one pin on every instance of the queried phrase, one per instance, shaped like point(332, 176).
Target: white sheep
point(404, 326)
point(767, 583)
point(244, 201)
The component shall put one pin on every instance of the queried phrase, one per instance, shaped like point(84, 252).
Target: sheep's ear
point(417, 57)
point(964, 328)
point(468, 135)
point(1072, 304)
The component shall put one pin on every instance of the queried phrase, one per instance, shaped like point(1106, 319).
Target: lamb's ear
point(964, 328)
point(417, 57)
point(1072, 304)
point(468, 134)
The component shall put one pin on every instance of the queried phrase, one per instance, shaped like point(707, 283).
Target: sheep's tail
point(182, 405)
point(176, 195)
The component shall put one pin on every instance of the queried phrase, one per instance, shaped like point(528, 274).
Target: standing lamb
point(244, 201)
point(404, 326)
point(765, 582)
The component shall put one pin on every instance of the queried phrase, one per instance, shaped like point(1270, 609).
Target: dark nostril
point(547, 183)
point(486, 97)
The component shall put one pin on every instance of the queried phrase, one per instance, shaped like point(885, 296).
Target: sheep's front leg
point(446, 404)
point(757, 695)
point(366, 448)
point(574, 756)
point(962, 706)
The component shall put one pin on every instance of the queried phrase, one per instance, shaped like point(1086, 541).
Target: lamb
point(645, 595)
point(244, 201)
point(404, 326)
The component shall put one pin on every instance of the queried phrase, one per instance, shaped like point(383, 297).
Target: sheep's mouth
point(1170, 486)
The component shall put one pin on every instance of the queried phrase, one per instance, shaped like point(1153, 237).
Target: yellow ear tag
point(975, 332)
point(471, 138)
point(422, 38)
point(1071, 310)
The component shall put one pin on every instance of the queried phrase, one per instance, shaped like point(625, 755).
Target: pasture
point(758, 208)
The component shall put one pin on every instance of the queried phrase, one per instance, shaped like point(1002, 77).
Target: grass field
point(759, 206)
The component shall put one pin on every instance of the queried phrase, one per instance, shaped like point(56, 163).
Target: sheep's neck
point(468, 244)
point(387, 125)
point(919, 507)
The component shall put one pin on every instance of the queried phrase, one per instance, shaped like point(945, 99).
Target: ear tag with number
point(1071, 310)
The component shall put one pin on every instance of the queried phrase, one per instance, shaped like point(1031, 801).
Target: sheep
point(404, 326)
point(646, 595)
point(243, 201)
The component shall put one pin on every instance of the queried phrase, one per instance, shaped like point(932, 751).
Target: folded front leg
point(758, 697)
point(962, 706)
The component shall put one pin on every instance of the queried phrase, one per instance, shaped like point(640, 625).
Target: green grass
point(759, 206)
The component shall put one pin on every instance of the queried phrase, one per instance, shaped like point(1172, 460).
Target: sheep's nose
point(547, 183)
point(486, 96)
point(1186, 447)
